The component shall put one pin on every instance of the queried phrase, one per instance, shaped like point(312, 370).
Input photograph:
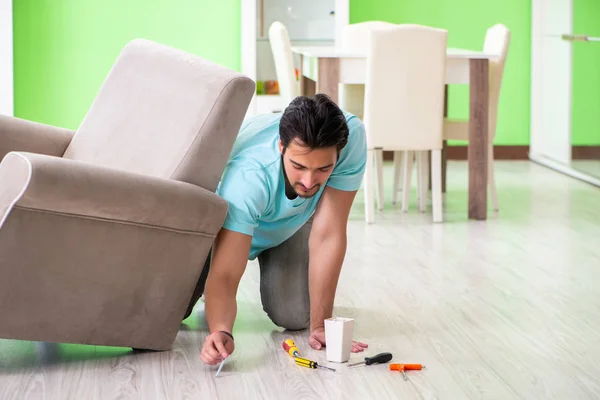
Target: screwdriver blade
point(355, 364)
point(220, 367)
point(331, 369)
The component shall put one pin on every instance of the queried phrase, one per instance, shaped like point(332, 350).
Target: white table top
point(334, 52)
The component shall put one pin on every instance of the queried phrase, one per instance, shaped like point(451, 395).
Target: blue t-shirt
point(253, 182)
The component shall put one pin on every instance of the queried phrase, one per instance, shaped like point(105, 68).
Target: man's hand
point(316, 340)
point(217, 347)
point(229, 259)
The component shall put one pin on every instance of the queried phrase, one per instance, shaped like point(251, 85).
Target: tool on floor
point(376, 359)
point(406, 367)
point(220, 367)
point(290, 347)
point(304, 362)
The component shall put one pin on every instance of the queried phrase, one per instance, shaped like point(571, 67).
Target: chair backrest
point(497, 41)
point(356, 36)
point(284, 62)
point(164, 113)
point(404, 93)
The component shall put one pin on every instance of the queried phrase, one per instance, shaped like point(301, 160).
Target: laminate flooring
point(508, 308)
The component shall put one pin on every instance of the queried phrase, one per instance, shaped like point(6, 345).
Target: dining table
point(323, 68)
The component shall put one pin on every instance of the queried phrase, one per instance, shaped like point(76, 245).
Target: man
point(290, 182)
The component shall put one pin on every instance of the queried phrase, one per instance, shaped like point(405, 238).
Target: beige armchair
point(105, 231)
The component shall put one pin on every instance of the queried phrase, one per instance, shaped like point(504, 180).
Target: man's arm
point(327, 247)
point(229, 259)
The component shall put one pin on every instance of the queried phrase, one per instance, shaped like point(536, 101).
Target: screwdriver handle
point(378, 359)
point(304, 362)
point(405, 367)
point(290, 347)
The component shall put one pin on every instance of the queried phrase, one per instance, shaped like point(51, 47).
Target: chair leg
point(444, 165)
point(423, 159)
point(491, 178)
point(379, 170)
point(436, 181)
point(408, 165)
point(397, 184)
point(368, 188)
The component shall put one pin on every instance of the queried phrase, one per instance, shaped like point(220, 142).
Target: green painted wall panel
point(585, 125)
point(65, 48)
point(466, 22)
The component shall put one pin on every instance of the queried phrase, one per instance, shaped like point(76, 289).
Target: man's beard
point(298, 190)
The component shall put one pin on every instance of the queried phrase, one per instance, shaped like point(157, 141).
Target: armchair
point(104, 231)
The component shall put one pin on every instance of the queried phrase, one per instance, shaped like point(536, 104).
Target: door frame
point(248, 38)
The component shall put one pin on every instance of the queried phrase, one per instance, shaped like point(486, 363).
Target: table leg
point(478, 138)
point(329, 77)
point(309, 87)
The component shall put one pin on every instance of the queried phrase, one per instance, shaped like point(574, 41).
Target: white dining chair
point(355, 37)
point(497, 40)
point(404, 102)
point(281, 49)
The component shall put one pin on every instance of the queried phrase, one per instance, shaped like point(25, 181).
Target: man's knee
point(290, 319)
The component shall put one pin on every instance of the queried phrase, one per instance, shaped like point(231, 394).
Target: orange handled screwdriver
point(405, 367)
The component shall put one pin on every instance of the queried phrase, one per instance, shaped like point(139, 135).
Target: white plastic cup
point(338, 338)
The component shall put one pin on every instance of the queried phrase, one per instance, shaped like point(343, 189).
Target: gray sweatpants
point(283, 282)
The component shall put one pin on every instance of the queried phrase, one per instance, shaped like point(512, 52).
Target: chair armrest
point(74, 188)
point(21, 135)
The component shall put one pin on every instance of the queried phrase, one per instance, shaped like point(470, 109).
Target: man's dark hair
point(315, 121)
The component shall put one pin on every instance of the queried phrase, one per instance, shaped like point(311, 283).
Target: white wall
point(305, 20)
point(6, 58)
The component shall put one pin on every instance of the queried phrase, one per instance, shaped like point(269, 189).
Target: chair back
point(404, 93)
point(164, 113)
point(356, 36)
point(497, 41)
point(284, 62)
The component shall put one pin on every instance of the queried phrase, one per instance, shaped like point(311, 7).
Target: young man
point(290, 182)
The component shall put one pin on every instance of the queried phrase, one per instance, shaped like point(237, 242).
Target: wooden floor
point(503, 309)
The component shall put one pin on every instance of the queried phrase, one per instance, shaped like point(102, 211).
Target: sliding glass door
point(565, 112)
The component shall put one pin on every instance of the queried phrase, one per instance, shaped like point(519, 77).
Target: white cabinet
point(309, 23)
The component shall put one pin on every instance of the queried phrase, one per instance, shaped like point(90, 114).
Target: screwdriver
point(405, 367)
point(304, 362)
point(377, 359)
point(290, 347)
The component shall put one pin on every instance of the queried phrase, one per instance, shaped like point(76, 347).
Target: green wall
point(586, 75)
point(466, 22)
point(65, 48)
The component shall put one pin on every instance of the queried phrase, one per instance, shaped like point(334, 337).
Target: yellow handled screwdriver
point(304, 362)
point(290, 347)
